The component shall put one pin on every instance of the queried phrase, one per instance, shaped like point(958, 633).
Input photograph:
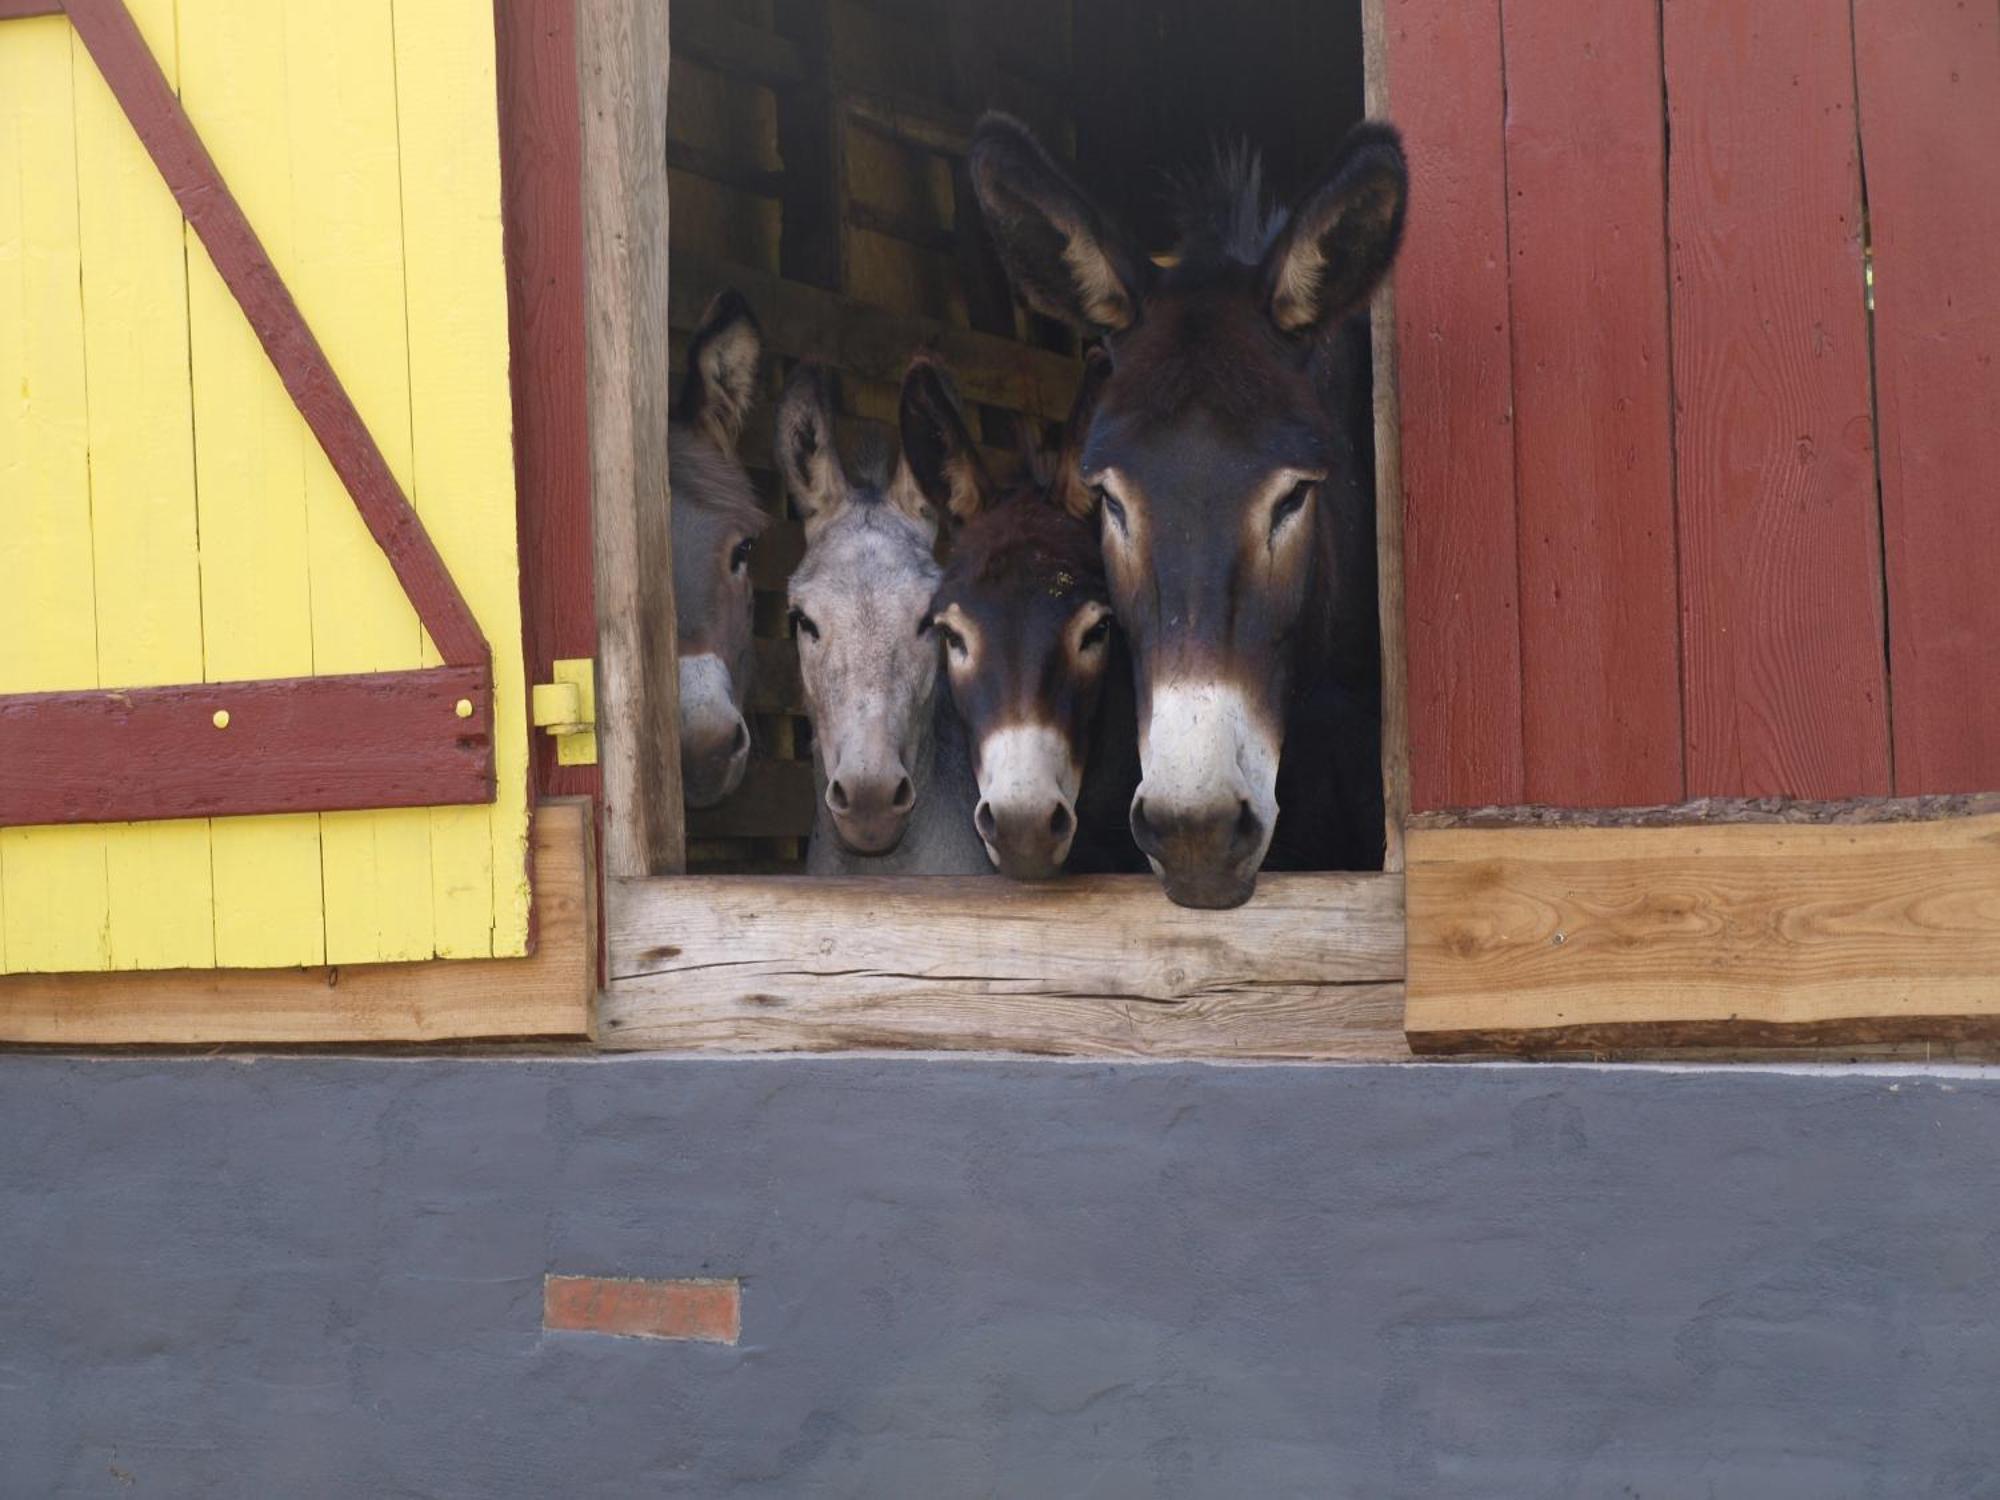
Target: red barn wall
point(1682, 518)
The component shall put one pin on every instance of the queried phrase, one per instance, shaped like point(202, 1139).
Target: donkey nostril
point(1061, 821)
point(905, 795)
point(982, 819)
point(1142, 829)
point(836, 797)
point(739, 743)
point(1249, 832)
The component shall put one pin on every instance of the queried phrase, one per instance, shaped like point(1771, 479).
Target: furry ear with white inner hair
point(939, 454)
point(803, 443)
point(1342, 237)
point(721, 380)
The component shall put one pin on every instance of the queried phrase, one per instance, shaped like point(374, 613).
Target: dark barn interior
point(816, 153)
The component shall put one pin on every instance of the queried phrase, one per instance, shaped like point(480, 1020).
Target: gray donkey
point(890, 760)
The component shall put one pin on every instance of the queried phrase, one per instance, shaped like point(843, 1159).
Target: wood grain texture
point(1743, 935)
point(55, 902)
point(1930, 115)
point(541, 172)
point(377, 739)
point(621, 46)
point(1103, 965)
point(250, 475)
point(121, 54)
point(1781, 578)
point(462, 466)
point(144, 536)
point(1455, 379)
point(1593, 428)
point(1387, 399)
point(548, 994)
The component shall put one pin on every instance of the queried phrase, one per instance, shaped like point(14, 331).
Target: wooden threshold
point(1526, 940)
point(1093, 966)
point(548, 994)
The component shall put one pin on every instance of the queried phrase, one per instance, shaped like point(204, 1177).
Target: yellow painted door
point(166, 517)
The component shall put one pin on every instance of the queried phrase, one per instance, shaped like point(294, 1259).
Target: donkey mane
point(705, 479)
point(1221, 213)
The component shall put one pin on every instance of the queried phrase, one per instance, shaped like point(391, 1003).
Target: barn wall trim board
point(1549, 939)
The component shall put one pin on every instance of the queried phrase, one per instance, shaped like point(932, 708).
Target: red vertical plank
point(1593, 393)
point(1930, 139)
point(1459, 559)
point(541, 175)
point(1781, 583)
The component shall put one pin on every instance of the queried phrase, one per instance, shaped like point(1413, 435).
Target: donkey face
point(1213, 460)
point(1026, 624)
point(716, 520)
point(860, 600)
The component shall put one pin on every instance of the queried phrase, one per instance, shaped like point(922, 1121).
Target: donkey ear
point(942, 460)
point(1062, 255)
point(1343, 235)
point(721, 379)
point(804, 448)
point(1070, 492)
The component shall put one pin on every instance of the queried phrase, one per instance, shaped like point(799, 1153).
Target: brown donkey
point(1037, 669)
point(1235, 519)
point(716, 521)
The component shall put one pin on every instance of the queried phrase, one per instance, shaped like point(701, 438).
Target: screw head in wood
point(221, 719)
point(463, 708)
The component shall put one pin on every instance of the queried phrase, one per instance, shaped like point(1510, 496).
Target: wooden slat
point(622, 88)
point(55, 902)
point(1930, 117)
point(1593, 431)
point(776, 688)
point(1104, 966)
point(805, 321)
point(1388, 495)
point(250, 473)
point(1455, 377)
point(1781, 581)
point(372, 740)
point(1760, 934)
point(546, 995)
point(540, 171)
point(717, 40)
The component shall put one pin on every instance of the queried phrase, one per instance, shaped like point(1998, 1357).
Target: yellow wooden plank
point(250, 459)
point(1713, 935)
point(345, 268)
point(462, 416)
point(142, 515)
point(55, 906)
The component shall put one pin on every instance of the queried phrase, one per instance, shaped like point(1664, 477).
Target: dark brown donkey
point(1236, 521)
point(716, 523)
point(1037, 670)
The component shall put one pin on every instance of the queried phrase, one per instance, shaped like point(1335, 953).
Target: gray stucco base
point(323, 1277)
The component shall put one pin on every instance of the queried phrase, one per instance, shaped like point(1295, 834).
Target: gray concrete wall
point(323, 1277)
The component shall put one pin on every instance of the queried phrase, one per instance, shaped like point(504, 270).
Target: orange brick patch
point(710, 1311)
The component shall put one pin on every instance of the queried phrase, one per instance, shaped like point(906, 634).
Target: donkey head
point(860, 608)
point(1026, 624)
point(1213, 458)
point(716, 521)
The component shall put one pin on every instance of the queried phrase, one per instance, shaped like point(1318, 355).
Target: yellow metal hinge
point(567, 709)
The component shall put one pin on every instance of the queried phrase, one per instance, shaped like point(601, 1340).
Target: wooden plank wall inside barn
point(1685, 516)
point(816, 152)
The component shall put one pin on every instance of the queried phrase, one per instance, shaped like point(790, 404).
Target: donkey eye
point(739, 556)
point(1294, 502)
point(1113, 506)
point(953, 641)
point(1097, 635)
point(802, 624)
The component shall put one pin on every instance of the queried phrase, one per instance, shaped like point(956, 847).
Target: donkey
point(1036, 666)
point(716, 522)
point(1235, 519)
point(890, 763)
